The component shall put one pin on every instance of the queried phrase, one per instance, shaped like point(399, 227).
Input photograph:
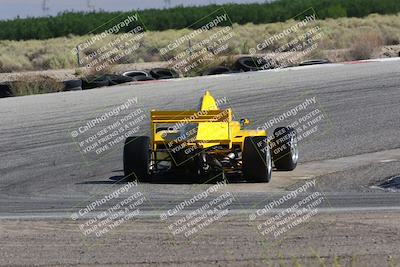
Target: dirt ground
point(352, 239)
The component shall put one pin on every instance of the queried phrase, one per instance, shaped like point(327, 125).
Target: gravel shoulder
point(352, 239)
point(364, 178)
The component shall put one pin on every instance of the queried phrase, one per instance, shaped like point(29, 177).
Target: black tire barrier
point(118, 79)
point(91, 82)
point(72, 85)
point(250, 64)
point(143, 78)
point(136, 73)
point(165, 78)
point(314, 62)
point(76, 89)
point(217, 70)
point(162, 73)
point(5, 90)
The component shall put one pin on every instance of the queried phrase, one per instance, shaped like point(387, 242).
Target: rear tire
point(256, 159)
point(285, 152)
point(137, 158)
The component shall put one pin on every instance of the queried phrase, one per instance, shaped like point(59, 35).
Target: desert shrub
point(100, 69)
point(364, 45)
point(10, 63)
point(32, 85)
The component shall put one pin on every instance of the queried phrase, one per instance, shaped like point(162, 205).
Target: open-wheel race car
point(208, 141)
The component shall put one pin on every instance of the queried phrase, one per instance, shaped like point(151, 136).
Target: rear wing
point(157, 117)
point(181, 118)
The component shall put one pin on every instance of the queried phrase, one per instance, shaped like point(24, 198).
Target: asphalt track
point(42, 172)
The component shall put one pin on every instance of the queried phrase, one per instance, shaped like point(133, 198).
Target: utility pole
point(45, 7)
point(167, 3)
point(90, 5)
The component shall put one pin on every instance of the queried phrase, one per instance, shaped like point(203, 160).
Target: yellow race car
point(207, 141)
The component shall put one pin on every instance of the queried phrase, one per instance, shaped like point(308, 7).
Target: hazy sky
point(12, 8)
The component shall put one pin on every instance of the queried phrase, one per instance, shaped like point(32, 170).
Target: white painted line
point(387, 160)
point(383, 59)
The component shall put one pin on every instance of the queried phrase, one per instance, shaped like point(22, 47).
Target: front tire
point(137, 158)
point(285, 151)
point(256, 159)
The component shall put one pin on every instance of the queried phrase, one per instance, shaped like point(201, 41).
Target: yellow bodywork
point(209, 126)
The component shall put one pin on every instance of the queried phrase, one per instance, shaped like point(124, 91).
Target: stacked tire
point(163, 73)
point(217, 70)
point(73, 85)
point(138, 75)
point(114, 79)
point(251, 64)
point(91, 82)
point(5, 90)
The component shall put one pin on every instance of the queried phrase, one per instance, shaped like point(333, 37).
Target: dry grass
point(32, 85)
point(364, 45)
point(342, 33)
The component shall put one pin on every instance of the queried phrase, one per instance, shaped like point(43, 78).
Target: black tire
point(91, 82)
point(250, 64)
point(76, 89)
point(5, 90)
point(136, 73)
point(162, 73)
point(285, 152)
point(118, 79)
point(216, 70)
point(256, 160)
point(72, 85)
point(314, 62)
point(143, 78)
point(137, 158)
